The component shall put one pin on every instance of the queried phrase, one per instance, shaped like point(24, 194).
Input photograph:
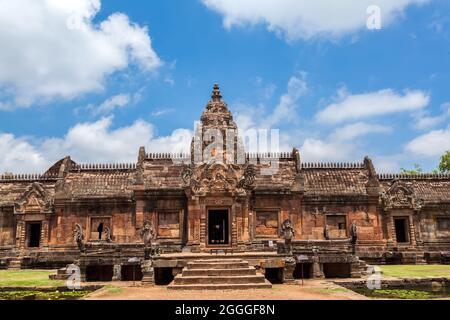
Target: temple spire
point(216, 96)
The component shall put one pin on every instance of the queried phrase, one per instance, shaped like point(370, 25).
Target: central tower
point(216, 136)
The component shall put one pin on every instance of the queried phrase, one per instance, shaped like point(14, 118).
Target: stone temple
point(205, 214)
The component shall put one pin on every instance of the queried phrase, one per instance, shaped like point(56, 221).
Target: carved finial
point(368, 164)
point(216, 96)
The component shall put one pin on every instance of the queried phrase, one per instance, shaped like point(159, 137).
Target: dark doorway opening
point(307, 271)
point(127, 273)
point(218, 227)
point(34, 235)
point(163, 276)
point(401, 230)
point(274, 275)
point(100, 230)
point(99, 273)
point(337, 270)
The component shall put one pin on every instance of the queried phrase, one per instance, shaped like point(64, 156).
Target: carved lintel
point(218, 177)
point(400, 196)
point(34, 199)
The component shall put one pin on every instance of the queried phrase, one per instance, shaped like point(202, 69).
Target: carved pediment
point(34, 200)
point(218, 177)
point(400, 196)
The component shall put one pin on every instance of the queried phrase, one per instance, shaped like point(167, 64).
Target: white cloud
point(355, 130)
point(19, 155)
point(250, 117)
point(89, 142)
point(431, 144)
point(108, 106)
point(303, 19)
point(372, 104)
point(317, 150)
point(53, 49)
point(342, 144)
point(424, 121)
point(162, 112)
point(286, 110)
point(118, 101)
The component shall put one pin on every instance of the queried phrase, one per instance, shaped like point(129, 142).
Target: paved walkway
point(311, 290)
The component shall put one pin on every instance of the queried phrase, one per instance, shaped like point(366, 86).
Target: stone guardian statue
point(108, 236)
point(288, 233)
point(147, 234)
point(354, 232)
point(79, 237)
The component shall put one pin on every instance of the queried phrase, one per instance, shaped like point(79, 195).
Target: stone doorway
point(34, 235)
point(401, 230)
point(218, 227)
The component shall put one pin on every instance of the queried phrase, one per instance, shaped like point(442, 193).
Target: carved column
point(140, 204)
point(45, 233)
point(117, 272)
point(390, 229)
point(21, 234)
point(317, 266)
point(416, 219)
point(148, 272)
point(193, 221)
point(288, 271)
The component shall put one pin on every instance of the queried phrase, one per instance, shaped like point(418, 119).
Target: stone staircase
point(15, 264)
point(61, 274)
point(363, 267)
point(219, 274)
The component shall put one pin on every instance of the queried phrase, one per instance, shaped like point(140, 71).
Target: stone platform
point(259, 260)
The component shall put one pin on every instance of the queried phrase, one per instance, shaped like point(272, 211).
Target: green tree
point(417, 170)
point(444, 165)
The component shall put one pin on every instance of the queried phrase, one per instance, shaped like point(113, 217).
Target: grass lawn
point(402, 271)
point(28, 278)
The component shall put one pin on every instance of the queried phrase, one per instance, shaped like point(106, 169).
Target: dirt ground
point(311, 290)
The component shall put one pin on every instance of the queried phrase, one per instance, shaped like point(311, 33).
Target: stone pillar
point(288, 271)
point(317, 269)
point(391, 241)
point(21, 235)
point(82, 265)
point(44, 233)
point(148, 272)
point(412, 230)
point(140, 214)
point(117, 272)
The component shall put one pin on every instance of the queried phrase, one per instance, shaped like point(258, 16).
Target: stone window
point(337, 226)
point(443, 224)
point(98, 228)
point(169, 224)
point(266, 224)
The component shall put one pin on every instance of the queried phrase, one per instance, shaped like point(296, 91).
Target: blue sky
point(336, 91)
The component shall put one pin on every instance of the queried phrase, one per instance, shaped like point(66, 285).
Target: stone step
point(219, 272)
point(58, 276)
point(15, 264)
point(62, 271)
point(179, 279)
point(241, 286)
point(216, 260)
point(218, 265)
